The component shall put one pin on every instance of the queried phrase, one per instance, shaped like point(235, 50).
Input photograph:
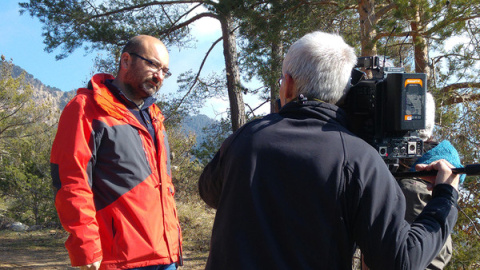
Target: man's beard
point(151, 84)
point(144, 89)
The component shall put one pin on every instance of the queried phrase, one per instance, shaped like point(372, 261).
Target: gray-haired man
point(297, 190)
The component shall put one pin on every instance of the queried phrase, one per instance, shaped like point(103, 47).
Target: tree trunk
point(420, 44)
point(237, 106)
point(276, 62)
point(366, 11)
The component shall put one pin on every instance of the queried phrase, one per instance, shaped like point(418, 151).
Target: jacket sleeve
point(71, 162)
point(387, 241)
point(210, 182)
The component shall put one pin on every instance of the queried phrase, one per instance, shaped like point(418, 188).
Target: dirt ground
point(45, 250)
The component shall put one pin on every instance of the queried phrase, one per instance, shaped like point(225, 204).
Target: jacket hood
point(105, 99)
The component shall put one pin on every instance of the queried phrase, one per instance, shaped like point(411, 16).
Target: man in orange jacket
point(111, 168)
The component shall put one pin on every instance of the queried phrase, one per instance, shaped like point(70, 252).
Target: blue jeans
point(158, 267)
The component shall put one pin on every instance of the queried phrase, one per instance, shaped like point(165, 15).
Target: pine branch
point(134, 7)
point(196, 76)
point(457, 98)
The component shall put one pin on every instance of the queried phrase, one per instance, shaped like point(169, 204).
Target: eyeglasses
point(166, 72)
point(280, 81)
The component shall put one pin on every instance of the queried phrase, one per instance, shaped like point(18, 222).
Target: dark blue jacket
point(297, 190)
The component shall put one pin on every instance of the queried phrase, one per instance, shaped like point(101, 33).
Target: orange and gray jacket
point(114, 192)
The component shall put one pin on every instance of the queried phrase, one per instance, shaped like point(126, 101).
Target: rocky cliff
point(42, 92)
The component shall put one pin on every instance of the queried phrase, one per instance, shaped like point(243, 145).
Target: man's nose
point(159, 75)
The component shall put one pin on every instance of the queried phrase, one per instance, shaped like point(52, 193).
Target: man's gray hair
point(320, 64)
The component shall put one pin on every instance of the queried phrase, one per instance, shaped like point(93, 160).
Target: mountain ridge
point(59, 99)
point(42, 92)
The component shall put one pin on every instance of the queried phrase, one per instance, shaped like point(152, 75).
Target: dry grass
point(45, 249)
point(196, 220)
point(33, 250)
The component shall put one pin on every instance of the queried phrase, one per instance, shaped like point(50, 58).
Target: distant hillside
point(59, 99)
point(196, 124)
point(41, 91)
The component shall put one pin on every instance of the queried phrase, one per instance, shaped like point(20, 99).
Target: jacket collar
point(109, 102)
point(314, 109)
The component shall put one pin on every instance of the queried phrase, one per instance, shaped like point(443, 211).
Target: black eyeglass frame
point(166, 71)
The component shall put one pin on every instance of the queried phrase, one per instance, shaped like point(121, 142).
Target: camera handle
point(472, 169)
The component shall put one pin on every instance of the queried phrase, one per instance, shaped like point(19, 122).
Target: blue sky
point(21, 40)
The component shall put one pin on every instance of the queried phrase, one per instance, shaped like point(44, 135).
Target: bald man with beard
point(111, 169)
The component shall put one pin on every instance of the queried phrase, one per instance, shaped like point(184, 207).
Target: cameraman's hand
point(444, 175)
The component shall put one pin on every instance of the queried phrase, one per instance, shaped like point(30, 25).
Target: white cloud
point(207, 27)
point(450, 42)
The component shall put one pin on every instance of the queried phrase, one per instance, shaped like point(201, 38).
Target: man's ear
point(125, 60)
point(290, 89)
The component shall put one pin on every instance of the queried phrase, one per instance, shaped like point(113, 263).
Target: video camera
point(388, 110)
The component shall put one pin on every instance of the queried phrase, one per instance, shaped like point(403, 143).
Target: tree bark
point(237, 106)
point(366, 11)
point(276, 56)
point(420, 44)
